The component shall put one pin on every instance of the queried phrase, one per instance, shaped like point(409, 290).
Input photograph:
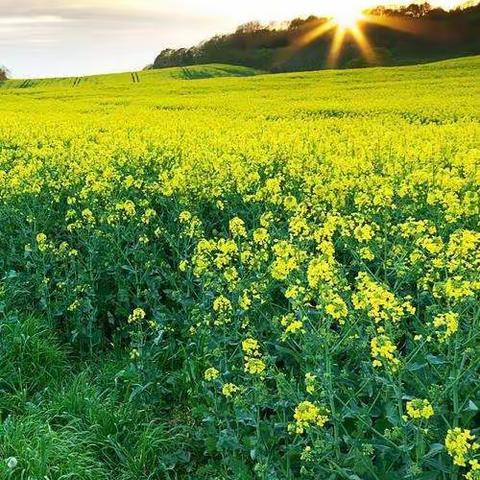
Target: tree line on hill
point(3, 73)
point(410, 34)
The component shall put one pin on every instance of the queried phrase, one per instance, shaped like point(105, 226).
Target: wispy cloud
point(95, 11)
point(31, 20)
point(74, 37)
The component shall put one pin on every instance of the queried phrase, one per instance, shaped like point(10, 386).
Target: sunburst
point(344, 21)
point(346, 17)
point(347, 23)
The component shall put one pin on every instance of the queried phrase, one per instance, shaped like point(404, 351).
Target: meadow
point(214, 273)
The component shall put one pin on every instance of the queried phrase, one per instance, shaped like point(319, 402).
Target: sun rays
point(348, 33)
point(344, 22)
point(346, 25)
point(350, 24)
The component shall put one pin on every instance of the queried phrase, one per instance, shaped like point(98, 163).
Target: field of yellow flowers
point(291, 264)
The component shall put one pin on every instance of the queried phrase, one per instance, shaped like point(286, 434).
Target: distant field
point(215, 273)
point(195, 72)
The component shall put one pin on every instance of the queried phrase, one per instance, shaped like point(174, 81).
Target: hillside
point(412, 34)
point(230, 73)
point(270, 277)
point(148, 77)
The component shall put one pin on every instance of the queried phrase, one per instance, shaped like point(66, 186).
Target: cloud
point(96, 11)
point(31, 20)
point(75, 37)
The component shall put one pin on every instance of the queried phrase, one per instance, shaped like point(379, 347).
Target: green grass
point(62, 417)
point(148, 77)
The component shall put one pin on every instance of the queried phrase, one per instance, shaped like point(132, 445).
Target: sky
point(51, 38)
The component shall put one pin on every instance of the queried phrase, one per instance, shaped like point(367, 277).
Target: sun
point(347, 17)
point(344, 23)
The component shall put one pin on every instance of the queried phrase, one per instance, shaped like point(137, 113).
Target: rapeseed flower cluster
point(254, 365)
point(446, 325)
point(383, 352)
point(308, 415)
point(419, 409)
point(211, 374)
point(459, 444)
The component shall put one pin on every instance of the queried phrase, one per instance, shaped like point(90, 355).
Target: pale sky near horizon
point(41, 38)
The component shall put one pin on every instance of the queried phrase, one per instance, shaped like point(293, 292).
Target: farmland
point(218, 273)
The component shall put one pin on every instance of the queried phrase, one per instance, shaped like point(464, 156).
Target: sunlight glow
point(347, 16)
point(365, 47)
point(345, 21)
point(336, 47)
point(315, 33)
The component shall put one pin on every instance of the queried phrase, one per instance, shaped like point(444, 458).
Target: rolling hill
point(148, 77)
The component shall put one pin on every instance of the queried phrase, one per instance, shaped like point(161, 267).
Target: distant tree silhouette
point(3, 73)
point(250, 27)
point(426, 33)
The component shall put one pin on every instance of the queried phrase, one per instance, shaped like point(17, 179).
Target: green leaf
point(435, 360)
point(471, 407)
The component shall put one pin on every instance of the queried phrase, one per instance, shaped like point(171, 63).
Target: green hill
point(402, 35)
point(147, 77)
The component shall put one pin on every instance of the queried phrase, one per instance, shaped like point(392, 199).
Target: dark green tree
point(417, 33)
point(3, 73)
